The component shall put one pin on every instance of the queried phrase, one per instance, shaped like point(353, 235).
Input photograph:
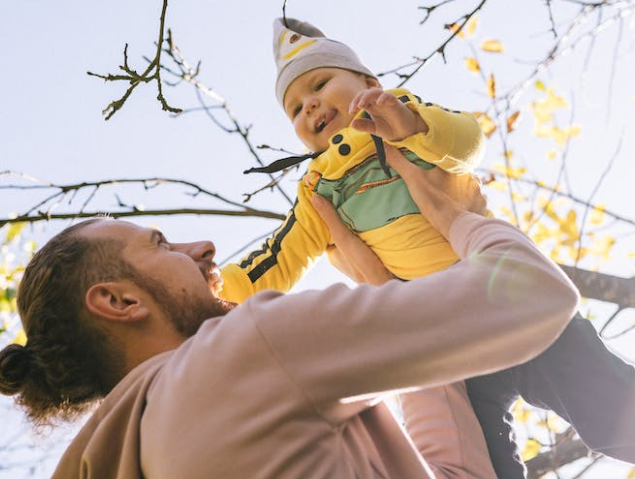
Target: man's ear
point(116, 301)
point(372, 82)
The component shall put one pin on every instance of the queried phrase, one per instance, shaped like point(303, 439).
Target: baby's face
point(318, 101)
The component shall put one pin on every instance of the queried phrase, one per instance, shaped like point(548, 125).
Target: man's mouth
point(214, 279)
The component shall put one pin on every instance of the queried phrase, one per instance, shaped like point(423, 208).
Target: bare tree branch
point(564, 44)
point(34, 218)
point(556, 457)
point(188, 74)
point(151, 73)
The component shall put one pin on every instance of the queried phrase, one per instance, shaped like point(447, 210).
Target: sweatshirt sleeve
point(283, 258)
point(454, 142)
point(501, 305)
point(444, 429)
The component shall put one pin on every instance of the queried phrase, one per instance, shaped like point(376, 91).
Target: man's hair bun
point(15, 364)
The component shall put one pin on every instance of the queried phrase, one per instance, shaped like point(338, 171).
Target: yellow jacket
point(378, 209)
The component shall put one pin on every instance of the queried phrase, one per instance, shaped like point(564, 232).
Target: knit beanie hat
point(299, 47)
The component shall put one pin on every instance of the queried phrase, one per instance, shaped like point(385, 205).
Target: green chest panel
point(366, 199)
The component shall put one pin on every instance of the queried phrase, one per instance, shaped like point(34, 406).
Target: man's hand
point(350, 254)
point(389, 118)
point(440, 196)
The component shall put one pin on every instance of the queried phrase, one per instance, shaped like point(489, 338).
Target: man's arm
point(501, 305)
point(439, 420)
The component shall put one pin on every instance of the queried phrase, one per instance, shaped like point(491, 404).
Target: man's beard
point(186, 312)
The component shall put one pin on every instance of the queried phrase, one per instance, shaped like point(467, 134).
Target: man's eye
point(162, 241)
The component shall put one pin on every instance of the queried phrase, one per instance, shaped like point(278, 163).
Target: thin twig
point(428, 10)
point(419, 63)
point(151, 73)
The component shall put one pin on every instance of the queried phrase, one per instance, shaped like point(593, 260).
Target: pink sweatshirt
point(261, 394)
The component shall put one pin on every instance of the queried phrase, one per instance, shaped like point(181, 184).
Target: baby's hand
point(389, 118)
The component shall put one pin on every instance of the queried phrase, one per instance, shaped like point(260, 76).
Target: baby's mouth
point(324, 121)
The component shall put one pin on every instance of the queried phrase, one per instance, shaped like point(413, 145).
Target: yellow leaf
point(602, 247)
point(502, 186)
point(511, 121)
point(631, 474)
point(569, 225)
point(597, 215)
point(540, 86)
point(20, 338)
point(541, 233)
point(554, 254)
point(554, 101)
point(518, 198)
point(493, 46)
point(551, 155)
point(505, 211)
point(466, 31)
point(486, 123)
point(559, 135)
point(470, 26)
point(491, 86)
point(14, 230)
point(531, 450)
point(544, 109)
point(509, 171)
point(472, 65)
point(456, 28)
point(520, 412)
point(528, 216)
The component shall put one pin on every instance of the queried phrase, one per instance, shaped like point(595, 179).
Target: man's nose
point(198, 251)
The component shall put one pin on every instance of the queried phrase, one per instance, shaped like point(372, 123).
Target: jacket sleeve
point(283, 258)
point(502, 304)
point(454, 142)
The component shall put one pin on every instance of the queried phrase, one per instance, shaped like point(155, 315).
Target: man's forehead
point(111, 228)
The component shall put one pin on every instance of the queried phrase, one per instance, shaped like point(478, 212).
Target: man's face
point(318, 101)
point(182, 278)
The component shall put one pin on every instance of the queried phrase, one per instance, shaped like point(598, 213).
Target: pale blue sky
point(51, 124)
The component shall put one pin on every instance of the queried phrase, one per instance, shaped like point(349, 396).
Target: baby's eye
point(296, 111)
point(320, 85)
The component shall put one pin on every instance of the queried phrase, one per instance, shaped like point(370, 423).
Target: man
point(282, 386)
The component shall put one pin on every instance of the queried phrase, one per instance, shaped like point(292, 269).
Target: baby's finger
point(365, 99)
point(387, 99)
